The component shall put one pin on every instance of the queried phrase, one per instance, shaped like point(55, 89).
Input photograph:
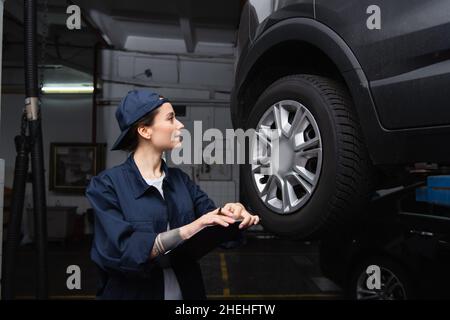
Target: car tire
point(342, 188)
point(401, 285)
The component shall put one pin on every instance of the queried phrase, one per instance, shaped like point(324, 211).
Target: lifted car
point(354, 105)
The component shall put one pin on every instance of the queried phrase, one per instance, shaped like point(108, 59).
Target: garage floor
point(263, 268)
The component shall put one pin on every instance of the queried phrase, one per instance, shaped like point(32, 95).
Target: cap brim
point(119, 142)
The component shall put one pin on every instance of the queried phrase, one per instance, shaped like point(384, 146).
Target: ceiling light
point(72, 88)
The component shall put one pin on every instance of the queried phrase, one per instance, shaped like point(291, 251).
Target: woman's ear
point(145, 132)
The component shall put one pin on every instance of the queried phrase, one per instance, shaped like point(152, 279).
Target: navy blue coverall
point(129, 214)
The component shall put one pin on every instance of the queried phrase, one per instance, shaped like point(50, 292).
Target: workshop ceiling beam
point(186, 25)
point(188, 31)
point(145, 17)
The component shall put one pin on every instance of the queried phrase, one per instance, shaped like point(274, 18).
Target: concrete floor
point(264, 267)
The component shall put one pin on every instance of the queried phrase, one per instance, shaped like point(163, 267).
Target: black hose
point(30, 27)
point(15, 220)
point(23, 146)
point(40, 207)
point(37, 155)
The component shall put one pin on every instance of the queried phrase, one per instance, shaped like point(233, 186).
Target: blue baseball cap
point(135, 105)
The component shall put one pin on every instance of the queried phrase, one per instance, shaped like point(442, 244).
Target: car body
point(398, 76)
point(375, 98)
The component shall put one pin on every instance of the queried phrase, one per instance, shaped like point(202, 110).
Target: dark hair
point(131, 140)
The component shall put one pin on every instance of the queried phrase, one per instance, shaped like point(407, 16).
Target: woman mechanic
point(143, 209)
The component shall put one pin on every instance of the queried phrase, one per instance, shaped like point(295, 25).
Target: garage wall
point(175, 71)
point(181, 79)
point(64, 119)
point(201, 84)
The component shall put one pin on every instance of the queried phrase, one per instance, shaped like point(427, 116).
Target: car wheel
point(395, 283)
point(323, 177)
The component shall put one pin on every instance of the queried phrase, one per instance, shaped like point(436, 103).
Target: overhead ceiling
point(186, 27)
point(200, 26)
point(56, 44)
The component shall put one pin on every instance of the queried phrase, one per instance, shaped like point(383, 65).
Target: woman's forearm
point(166, 241)
point(190, 229)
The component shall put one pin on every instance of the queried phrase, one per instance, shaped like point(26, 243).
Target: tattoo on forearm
point(166, 241)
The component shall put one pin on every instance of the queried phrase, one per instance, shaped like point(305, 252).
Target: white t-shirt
point(172, 289)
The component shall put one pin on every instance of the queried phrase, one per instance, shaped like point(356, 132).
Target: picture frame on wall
point(72, 165)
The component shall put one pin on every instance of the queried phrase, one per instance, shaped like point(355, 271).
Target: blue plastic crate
point(437, 191)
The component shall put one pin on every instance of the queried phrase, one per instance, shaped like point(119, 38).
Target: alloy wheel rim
point(287, 129)
point(391, 288)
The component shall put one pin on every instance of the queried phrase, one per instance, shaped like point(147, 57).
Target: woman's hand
point(214, 218)
point(208, 219)
point(237, 211)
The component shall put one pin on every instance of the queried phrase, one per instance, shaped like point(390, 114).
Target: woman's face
point(165, 131)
